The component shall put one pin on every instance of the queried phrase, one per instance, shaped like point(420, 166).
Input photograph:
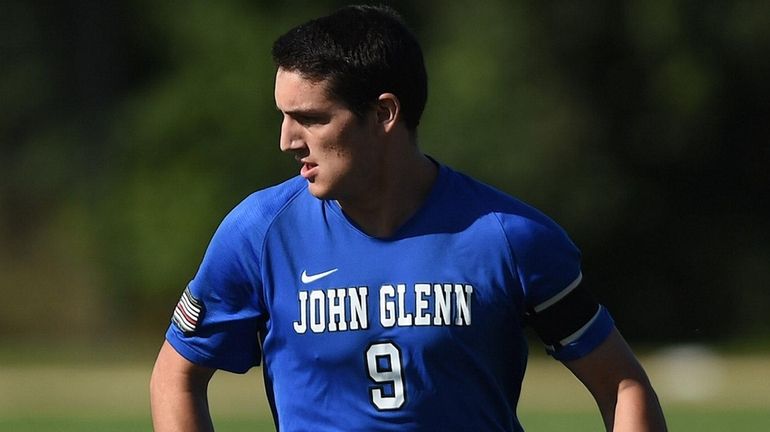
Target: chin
point(319, 191)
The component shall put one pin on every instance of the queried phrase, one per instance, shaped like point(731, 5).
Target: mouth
point(308, 171)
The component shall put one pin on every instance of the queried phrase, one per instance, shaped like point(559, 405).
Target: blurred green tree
point(129, 129)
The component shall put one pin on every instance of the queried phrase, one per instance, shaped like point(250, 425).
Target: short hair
point(361, 52)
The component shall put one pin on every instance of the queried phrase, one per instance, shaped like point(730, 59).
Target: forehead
point(295, 92)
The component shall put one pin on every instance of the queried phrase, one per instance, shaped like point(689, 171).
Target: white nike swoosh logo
point(306, 278)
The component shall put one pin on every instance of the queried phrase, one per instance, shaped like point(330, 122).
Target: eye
point(308, 120)
point(304, 120)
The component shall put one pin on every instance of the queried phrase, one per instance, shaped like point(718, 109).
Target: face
point(336, 150)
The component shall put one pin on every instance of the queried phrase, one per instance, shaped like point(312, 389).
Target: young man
point(381, 290)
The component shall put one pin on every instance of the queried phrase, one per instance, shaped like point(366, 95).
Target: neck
point(400, 189)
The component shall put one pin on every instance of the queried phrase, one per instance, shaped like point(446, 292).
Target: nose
point(291, 139)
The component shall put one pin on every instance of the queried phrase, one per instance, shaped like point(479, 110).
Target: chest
point(328, 283)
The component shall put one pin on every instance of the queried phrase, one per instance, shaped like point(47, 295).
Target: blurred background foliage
point(129, 129)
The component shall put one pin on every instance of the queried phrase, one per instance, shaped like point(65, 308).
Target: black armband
point(563, 315)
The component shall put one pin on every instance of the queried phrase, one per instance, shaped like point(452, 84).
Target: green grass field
point(533, 421)
point(700, 392)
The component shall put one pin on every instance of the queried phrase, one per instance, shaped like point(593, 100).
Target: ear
point(388, 110)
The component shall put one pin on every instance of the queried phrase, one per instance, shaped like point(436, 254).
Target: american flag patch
point(188, 312)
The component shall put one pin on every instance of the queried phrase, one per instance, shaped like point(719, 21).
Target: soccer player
point(381, 290)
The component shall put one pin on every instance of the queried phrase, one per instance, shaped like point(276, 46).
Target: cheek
point(334, 156)
point(346, 148)
point(342, 148)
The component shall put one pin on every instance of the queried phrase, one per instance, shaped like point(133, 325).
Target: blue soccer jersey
point(419, 331)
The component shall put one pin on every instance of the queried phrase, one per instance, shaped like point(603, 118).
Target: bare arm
point(620, 386)
point(178, 394)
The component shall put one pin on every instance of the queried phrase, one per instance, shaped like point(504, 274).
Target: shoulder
point(243, 229)
point(521, 221)
point(259, 209)
point(236, 245)
point(543, 256)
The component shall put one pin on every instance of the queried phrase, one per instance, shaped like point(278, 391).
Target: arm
point(178, 393)
point(620, 387)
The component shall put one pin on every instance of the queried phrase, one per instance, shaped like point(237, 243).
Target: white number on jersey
point(383, 361)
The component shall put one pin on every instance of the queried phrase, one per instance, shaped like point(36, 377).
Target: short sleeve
point(217, 320)
point(548, 268)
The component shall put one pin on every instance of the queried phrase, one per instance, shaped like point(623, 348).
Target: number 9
point(383, 361)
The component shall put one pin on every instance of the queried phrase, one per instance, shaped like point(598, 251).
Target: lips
point(308, 171)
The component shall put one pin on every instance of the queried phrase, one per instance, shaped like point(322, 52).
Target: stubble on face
point(333, 146)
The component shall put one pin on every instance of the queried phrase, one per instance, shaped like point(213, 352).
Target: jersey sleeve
point(216, 322)
point(559, 308)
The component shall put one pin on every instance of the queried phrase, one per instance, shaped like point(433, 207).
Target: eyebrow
point(300, 110)
point(304, 112)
